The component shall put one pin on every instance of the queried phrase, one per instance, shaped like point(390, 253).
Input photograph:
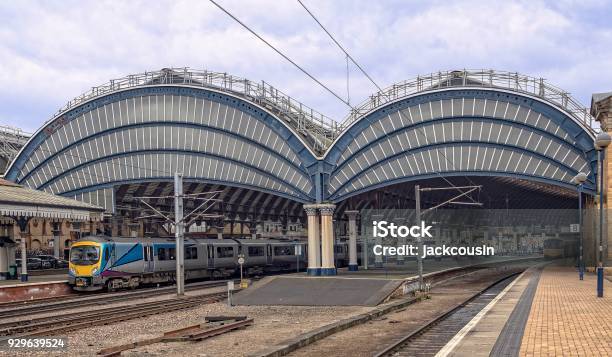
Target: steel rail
point(69, 301)
point(397, 345)
point(70, 322)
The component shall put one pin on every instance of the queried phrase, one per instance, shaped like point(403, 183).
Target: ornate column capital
point(601, 109)
point(326, 209)
point(311, 210)
point(352, 214)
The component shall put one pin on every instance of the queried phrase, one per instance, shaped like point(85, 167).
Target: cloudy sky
point(52, 51)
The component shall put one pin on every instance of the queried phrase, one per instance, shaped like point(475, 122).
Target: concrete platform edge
point(306, 339)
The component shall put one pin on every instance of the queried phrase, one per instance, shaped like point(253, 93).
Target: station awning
point(20, 201)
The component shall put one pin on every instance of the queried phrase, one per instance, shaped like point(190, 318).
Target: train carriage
point(97, 262)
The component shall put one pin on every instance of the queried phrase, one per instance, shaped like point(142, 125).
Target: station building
point(281, 165)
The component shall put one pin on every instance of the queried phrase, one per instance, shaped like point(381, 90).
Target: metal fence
point(11, 141)
point(319, 130)
point(512, 81)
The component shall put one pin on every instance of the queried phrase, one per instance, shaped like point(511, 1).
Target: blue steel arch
point(190, 179)
point(318, 172)
point(447, 174)
point(166, 151)
point(154, 124)
point(23, 167)
point(572, 134)
point(419, 125)
point(488, 172)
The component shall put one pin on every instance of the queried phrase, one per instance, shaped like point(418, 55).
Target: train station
point(181, 211)
point(276, 175)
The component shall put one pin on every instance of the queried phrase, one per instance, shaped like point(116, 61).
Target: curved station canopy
point(132, 134)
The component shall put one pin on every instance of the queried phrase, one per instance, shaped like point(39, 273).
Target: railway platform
point(33, 279)
point(358, 288)
point(38, 287)
point(547, 312)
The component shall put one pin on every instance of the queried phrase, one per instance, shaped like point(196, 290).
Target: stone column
point(115, 226)
point(401, 241)
point(314, 249)
point(601, 109)
point(4, 265)
point(56, 238)
point(141, 228)
point(22, 223)
point(219, 230)
point(352, 231)
point(327, 239)
point(517, 241)
point(378, 259)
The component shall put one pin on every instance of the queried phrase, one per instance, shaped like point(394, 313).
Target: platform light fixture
point(602, 140)
point(579, 180)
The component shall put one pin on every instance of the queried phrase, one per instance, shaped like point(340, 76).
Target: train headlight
point(94, 271)
point(72, 271)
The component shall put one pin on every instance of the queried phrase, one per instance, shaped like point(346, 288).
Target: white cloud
point(52, 51)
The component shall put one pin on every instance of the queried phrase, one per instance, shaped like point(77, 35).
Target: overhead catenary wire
point(311, 76)
point(348, 56)
point(348, 87)
point(281, 54)
point(340, 46)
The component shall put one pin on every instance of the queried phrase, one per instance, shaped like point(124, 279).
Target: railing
point(14, 133)
point(476, 78)
point(11, 141)
point(320, 129)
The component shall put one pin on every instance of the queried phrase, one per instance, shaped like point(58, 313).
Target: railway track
point(430, 338)
point(47, 305)
point(52, 325)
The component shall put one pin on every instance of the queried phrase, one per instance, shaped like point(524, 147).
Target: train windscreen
point(84, 255)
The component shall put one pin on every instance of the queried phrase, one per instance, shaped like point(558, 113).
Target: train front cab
point(84, 266)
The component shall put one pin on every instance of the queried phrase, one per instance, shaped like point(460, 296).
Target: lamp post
point(579, 180)
point(601, 143)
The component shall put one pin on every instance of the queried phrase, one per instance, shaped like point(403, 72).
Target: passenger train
point(98, 262)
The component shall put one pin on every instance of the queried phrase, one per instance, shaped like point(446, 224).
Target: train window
point(283, 250)
point(225, 252)
point(161, 254)
point(145, 253)
point(256, 251)
point(166, 253)
point(191, 253)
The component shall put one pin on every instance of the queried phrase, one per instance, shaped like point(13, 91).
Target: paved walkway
point(480, 337)
point(35, 279)
point(567, 318)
